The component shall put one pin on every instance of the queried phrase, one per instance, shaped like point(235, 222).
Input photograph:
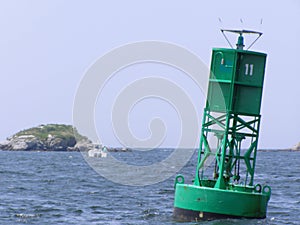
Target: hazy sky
point(47, 46)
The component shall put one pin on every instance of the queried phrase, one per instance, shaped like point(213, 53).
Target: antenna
point(240, 42)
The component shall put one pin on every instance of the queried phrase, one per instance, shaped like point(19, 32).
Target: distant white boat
point(98, 152)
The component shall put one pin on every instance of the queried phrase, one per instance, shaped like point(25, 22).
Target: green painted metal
point(224, 179)
point(236, 81)
point(240, 43)
point(238, 201)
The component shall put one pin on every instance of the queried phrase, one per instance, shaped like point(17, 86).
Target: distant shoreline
point(119, 149)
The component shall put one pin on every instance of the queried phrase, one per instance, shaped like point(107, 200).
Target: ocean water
point(61, 188)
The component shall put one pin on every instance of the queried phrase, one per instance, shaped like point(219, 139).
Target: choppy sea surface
point(61, 188)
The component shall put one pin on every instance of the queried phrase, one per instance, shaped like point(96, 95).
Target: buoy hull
point(194, 203)
point(185, 215)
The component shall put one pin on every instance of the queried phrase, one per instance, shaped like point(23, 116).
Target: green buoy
point(224, 182)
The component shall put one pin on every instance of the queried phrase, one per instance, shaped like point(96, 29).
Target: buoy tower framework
point(224, 182)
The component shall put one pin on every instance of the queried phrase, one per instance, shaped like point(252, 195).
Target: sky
point(47, 46)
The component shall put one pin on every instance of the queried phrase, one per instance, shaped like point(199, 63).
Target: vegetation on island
point(42, 132)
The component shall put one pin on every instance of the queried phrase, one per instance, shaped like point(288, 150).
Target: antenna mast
point(240, 43)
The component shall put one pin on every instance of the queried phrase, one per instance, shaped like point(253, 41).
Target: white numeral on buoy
point(251, 69)
point(247, 67)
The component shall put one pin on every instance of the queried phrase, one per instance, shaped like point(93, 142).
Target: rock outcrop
point(51, 137)
point(22, 142)
point(296, 147)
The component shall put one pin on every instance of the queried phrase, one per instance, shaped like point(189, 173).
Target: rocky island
point(51, 137)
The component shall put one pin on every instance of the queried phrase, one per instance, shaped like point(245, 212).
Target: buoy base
point(185, 215)
point(194, 203)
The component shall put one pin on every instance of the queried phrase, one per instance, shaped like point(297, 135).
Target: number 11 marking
point(247, 66)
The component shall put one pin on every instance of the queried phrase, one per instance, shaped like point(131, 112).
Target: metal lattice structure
point(231, 130)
